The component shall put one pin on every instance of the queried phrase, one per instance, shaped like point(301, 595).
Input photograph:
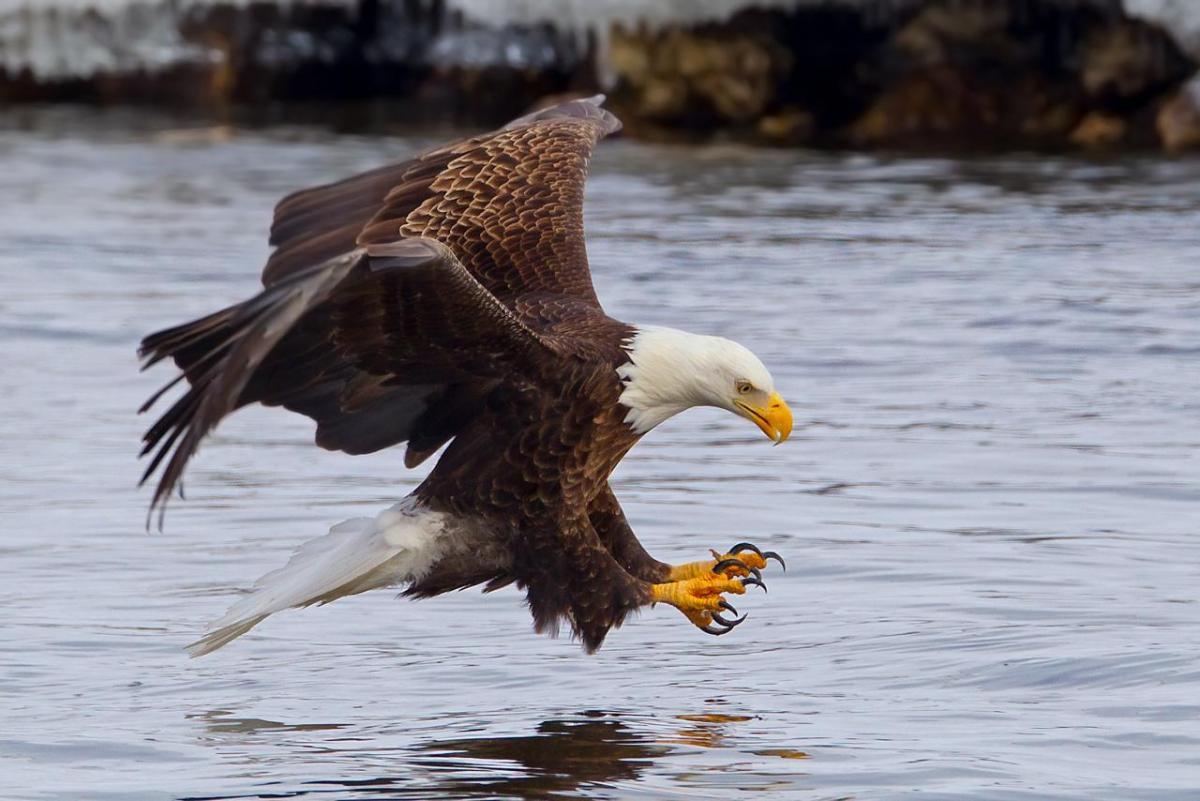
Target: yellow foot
point(743, 560)
point(700, 600)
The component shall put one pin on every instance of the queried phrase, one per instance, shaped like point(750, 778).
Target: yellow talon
point(696, 593)
point(692, 570)
point(700, 600)
point(695, 588)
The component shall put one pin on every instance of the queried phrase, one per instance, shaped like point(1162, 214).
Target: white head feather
point(669, 371)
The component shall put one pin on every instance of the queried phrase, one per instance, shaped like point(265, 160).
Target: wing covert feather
point(509, 204)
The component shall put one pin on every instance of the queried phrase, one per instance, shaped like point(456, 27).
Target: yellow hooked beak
point(775, 419)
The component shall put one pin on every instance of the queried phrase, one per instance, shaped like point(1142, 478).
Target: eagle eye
point(744, 387)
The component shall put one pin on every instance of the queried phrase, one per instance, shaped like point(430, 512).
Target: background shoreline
point(940, 75)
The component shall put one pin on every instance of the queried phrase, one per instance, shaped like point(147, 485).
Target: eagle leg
point(700, 601)
point(743, 560)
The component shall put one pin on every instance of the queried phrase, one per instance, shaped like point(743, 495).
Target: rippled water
point(989, 509)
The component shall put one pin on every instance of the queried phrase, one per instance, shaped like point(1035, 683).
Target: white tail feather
point(397, 546)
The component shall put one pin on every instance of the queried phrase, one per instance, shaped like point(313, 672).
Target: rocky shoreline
point(909, 74)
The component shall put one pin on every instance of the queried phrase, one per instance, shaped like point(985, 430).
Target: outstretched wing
point(379, 355)
point(378, 334)
point(508, 203)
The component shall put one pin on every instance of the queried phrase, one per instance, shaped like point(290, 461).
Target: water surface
point(989, 507)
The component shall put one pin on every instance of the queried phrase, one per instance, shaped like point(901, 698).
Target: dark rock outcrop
point(906, 73)
point(952, 73)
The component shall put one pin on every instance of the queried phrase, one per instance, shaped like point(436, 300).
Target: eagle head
point(669, 371)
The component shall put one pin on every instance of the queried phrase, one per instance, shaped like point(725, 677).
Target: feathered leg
point(614, 531)
point(569, 574)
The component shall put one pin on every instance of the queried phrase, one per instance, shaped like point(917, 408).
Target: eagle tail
point(399, 545)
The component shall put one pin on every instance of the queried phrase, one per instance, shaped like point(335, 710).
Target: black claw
point(745, 546)
point(754, 571)
point(722, 625)
point(724, 563)
point(752, 582)
point(749, 546)
point(728, 624)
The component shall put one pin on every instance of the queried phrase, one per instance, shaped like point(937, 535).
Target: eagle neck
point(660, 377)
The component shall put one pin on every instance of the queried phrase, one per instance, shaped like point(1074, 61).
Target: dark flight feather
point(405, 312)
point(342, 352)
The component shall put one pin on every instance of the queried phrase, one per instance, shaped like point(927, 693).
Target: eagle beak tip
point(780, 417)
point(775, 419)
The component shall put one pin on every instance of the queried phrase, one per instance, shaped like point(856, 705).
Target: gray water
point(989, 507)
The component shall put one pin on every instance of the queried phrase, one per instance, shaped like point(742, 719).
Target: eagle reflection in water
point(561, 757)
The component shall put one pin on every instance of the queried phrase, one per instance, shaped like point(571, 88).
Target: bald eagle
point(446, 301)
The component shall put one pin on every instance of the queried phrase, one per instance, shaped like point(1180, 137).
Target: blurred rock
point(1099, 130)
point(919, 109)
point(1178, 120)
point(1129, 60)
point(789, 126)
point(708, 77)
point(1032, 74)
point(958, 33)
point(862, 73)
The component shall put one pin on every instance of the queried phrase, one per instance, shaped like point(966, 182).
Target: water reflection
point(560, 756)
point(707, 729)
point(593, 752)
point(220, 722)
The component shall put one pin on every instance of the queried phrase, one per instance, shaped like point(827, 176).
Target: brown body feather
point(447, 299)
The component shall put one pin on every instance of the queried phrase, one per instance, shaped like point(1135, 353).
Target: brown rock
point(1178, 120)
point(1098, 130)
point(925, 108)
point(1050, 117)
point(962, 75)
point(790, 126)
point(942, 34)
point(627, 55)
point(689, 74)
point(1127, 60)
point(662, 98)
point(975, 73)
